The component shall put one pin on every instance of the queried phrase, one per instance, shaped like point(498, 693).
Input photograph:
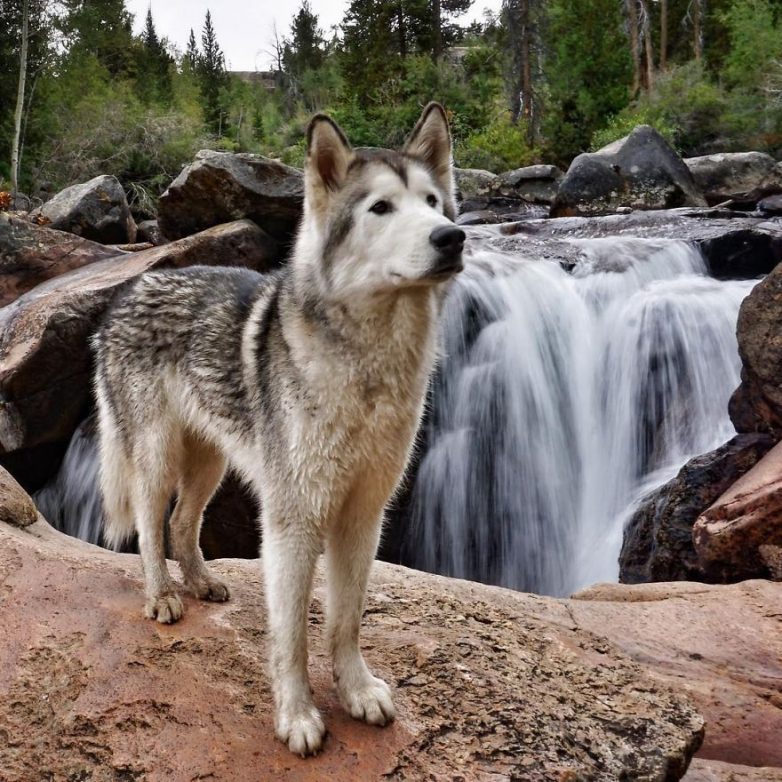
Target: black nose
point(448, 239)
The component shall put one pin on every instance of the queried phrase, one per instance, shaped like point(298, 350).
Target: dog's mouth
point(446, 272)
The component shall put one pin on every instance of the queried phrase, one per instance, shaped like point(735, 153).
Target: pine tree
point(192, 55)
point(306, 47)
point(154, 69)
point(212, 75)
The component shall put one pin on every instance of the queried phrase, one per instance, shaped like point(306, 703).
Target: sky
point(244, 29)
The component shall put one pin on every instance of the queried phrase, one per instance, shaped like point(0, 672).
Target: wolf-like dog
point(308, 381)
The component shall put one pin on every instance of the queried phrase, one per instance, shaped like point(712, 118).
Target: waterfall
point(561, 398)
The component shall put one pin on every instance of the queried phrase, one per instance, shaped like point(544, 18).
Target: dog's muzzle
point(448, 240)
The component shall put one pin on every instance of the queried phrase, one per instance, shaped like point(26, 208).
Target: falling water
point(561, 397)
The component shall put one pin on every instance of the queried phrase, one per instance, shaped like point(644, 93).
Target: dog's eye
point(380, 207)
point(431, 200)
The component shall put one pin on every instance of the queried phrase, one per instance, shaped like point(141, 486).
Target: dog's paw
point(302, 730)
point(370, 701)
point(167, 608)
point(208, 588)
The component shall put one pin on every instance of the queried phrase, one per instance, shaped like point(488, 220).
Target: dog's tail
point(116, 472)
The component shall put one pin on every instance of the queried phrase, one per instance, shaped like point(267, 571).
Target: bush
point(501, 146)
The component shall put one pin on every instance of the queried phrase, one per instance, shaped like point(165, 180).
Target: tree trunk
point(437, 29)
point(401, 30)
point(697, 29)
point(635, 42)
point(663, 35)
point(526, 67)
point(648, 45)
point(20, 99)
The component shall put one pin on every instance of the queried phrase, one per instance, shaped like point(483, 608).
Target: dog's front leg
point(289, 555)
point(350, 551)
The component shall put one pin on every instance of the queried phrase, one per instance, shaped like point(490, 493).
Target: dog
point(308, 381)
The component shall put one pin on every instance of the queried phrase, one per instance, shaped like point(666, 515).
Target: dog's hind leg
point(202, 469)
point(351, 544)
point(290, 548)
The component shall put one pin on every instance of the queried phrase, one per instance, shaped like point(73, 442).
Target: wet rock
point(657, 544)
point(96, 210)
point(31, 254)
point(494, 684)
point(729, 534)
point(641, 171)
point(536, 184)
point(742, 178)
point(45, 361)
point(218, 187)
point(735, 246)
point(771, 206)
point(16, 507)
point(756, 405)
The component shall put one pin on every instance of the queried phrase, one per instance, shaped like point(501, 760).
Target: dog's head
point(380, 220)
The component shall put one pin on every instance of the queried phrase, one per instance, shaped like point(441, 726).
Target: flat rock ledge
point(489, 684)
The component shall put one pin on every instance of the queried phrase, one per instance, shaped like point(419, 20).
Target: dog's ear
point(328, 154)
point(430, 141)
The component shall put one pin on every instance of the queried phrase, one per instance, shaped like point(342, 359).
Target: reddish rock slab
point(728, 535)
point(486, 687)
point(722, 645)
point(31, 254)
point(45, 360)
point(715, 771)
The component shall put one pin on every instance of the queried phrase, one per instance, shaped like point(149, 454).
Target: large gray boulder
point(96, 210)
point(640, 171)
point(537, 184)
point(742, 178)
point(218, 187)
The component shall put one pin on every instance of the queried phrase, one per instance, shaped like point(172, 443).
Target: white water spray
point(560, 398)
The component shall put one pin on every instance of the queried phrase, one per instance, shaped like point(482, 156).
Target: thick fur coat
point(309, 382)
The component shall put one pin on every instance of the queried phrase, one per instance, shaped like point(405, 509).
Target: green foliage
point(500, 146)
point(588, 72)
point(684, 106)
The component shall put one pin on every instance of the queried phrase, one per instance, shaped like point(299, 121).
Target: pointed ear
point(328, 154)
point(430, 141)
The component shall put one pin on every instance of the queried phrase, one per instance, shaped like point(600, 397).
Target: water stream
point(561, 398)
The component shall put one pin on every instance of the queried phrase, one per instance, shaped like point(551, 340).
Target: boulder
point(96, 210)
point(641, 171)
point(474, 183)
point(489, 684)
point(16, 507)
point(218, 187)
point(742, 178)
point(149, 231)
point(756, 405)
point(537, 184)
point(30, 254)
point(45, 361)
point(733, 535)
point(657, 543)
point(735, 245)
point(771, 206)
